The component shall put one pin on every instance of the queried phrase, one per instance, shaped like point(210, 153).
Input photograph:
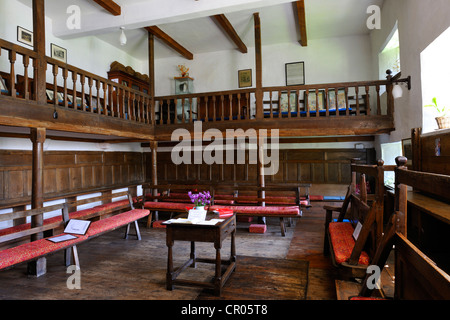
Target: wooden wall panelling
point(67, 172)
point(308, 165)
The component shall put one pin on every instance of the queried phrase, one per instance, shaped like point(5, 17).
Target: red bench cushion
point(294, 210)
point(341, 235)
point(32, 250)
point(116, 221)
point(166, 205)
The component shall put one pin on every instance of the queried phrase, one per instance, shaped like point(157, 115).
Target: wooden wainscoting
point(67, 172)
point(308, 166)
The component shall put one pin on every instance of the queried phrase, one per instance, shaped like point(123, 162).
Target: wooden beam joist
point(110, 6)
point(299, 11)
point(230, 31)
point(164, 37)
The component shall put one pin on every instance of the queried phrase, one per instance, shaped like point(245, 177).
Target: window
point(435, 68)
point(389, 57)
point(390, 151)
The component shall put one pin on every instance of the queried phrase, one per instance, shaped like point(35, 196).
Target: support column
point(39, 48)
point(258, 68)
point(151, 73)
point(38, 267)
point(154, 171)
point(261, 177)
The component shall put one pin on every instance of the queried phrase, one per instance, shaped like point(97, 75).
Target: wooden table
point(202, 233)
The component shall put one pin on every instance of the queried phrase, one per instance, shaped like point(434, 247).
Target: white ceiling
point(189, 22)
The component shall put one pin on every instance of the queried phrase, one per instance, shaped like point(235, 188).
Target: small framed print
point(313, 99)
point(3, 85)
point(288, 101)
point(25, 36)
point(245, 78)
point(50, 94)
point(295, 73)
point(58, 53)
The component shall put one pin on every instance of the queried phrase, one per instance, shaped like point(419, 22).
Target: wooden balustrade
point(352, 99)
point(13, 51)
point(74, 88)
point(91, 93)
point(233, 105)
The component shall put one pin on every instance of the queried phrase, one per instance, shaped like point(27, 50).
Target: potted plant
point(442, 120)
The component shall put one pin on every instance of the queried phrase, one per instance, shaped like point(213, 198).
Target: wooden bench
point(108, 207)
point(178, 201)
point(417, 277)
point(28, 243)
point(349, 255)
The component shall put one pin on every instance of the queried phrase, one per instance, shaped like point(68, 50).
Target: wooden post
point(390, 97)
point(151, 74)
point(154, 171)
point(258, 68)
point(38, 267)
point(39, 48)
point(261, 179)
point(400, 197)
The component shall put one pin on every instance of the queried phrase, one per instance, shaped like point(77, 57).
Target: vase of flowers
point(200, 200)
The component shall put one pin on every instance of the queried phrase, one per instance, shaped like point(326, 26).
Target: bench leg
point(136, 227)
point(71, 254)
point(283, 227)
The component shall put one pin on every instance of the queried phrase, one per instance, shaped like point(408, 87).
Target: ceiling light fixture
point(123, 37)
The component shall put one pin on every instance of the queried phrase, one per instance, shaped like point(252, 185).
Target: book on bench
point(74, 226)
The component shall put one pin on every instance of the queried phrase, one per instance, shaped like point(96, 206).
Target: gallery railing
point(349, 99)
point(71, 87)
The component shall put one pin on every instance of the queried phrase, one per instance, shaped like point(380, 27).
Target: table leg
point(193, 265)
point(233, 246)
point(169, 278)
point(218, 274)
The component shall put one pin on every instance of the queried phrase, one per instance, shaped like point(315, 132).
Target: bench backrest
point(36, 229)
point(234, 192)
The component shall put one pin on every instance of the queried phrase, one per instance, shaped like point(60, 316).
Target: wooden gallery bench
point(178, 201)
point(29, 241)
point(417, 276)
point(361, 211)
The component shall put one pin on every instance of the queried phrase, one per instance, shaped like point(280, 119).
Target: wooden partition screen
point(67, 172)
point(306, 166)
point(430, 151)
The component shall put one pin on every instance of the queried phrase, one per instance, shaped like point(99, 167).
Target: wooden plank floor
point(304, 242)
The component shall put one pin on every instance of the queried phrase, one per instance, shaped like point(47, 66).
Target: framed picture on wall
point(313, 99)
point(245, 78)
point(25, 36)
point(58, 53)
point(295, 73)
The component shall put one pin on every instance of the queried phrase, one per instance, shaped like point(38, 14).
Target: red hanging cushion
point(341, 234)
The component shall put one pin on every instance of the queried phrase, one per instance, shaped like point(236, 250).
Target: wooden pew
point(352, 256)
point(417, 277)
point(281, 207)
point(25, 251)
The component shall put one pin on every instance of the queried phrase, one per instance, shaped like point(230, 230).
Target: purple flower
point(201, 198)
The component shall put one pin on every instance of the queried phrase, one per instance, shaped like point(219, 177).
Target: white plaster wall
point(420, 22)
point(87, 53)
point(326, 61)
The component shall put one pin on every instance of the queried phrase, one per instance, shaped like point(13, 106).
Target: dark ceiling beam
point(110, 6)
point(157, 32)
point(299, 11)
point(230, 31)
